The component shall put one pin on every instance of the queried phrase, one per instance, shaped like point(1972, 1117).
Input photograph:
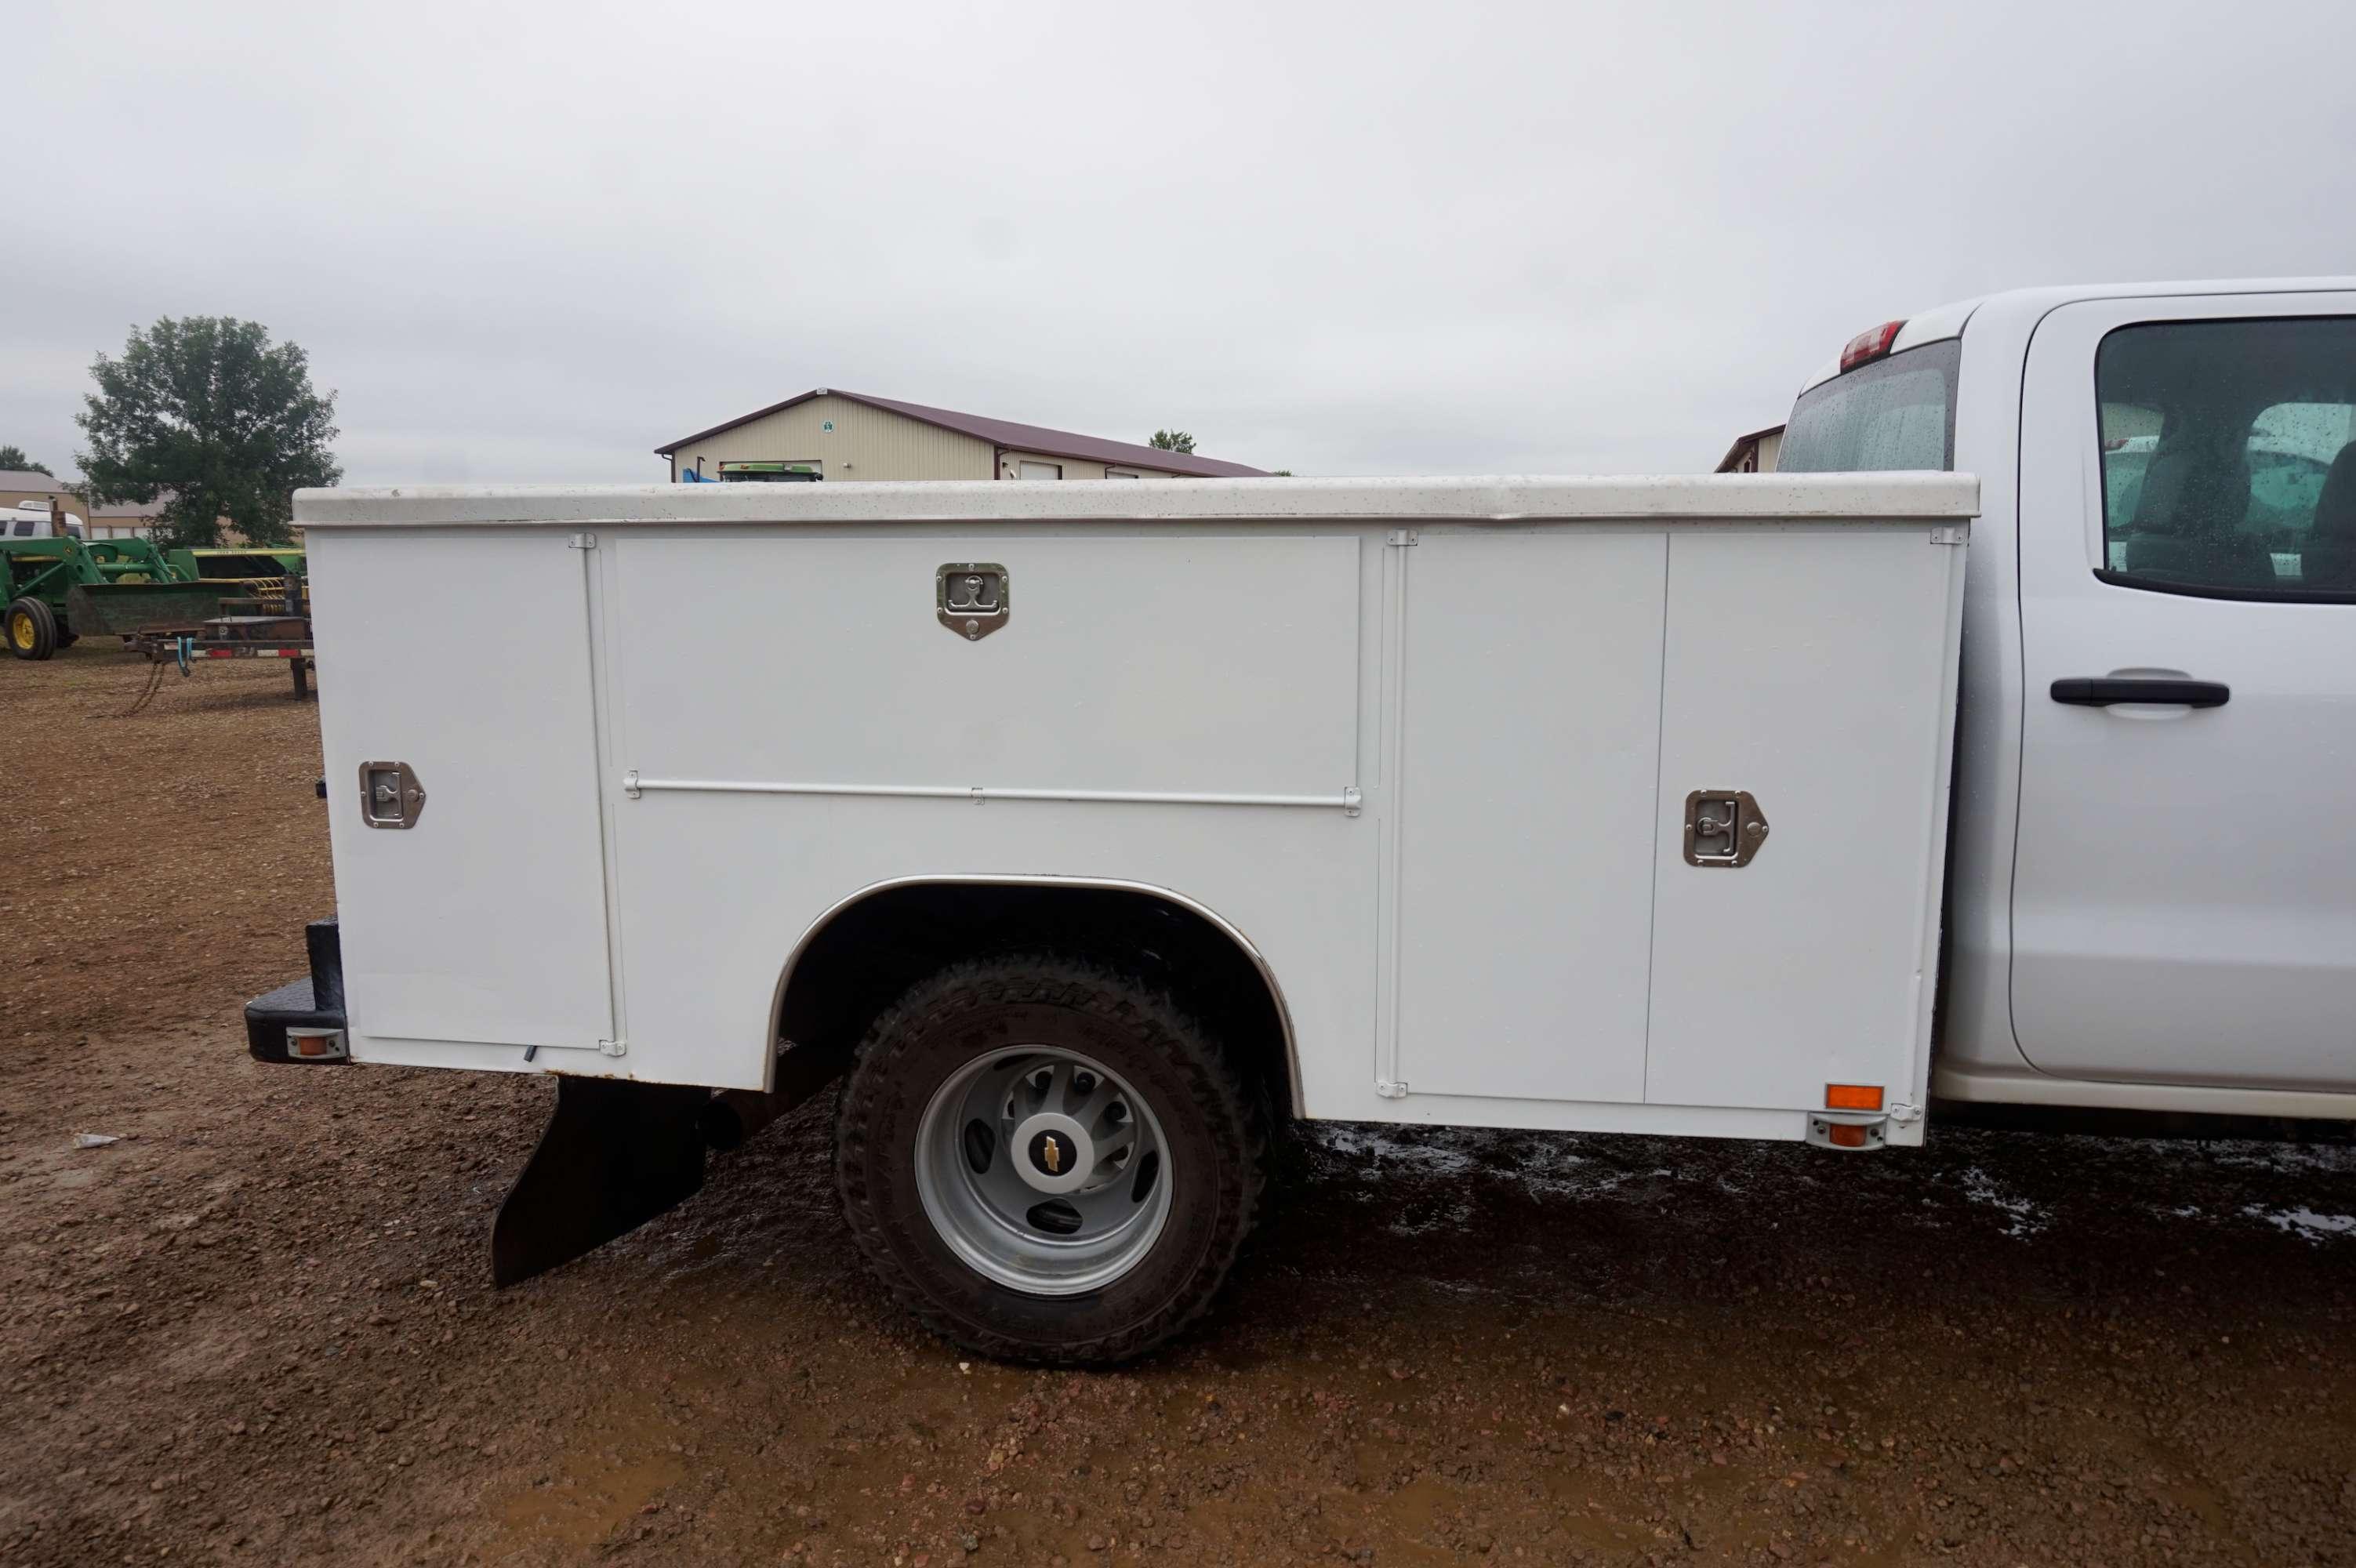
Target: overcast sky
point(529, 242)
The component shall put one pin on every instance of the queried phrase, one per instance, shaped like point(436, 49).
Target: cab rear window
point(1894, 413)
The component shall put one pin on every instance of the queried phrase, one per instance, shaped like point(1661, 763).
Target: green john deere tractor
point(60, 588)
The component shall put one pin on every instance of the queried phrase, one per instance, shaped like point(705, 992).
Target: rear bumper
point(314, 1002)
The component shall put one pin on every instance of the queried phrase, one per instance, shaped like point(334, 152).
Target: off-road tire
point(1217, 1136)
point(40, 641)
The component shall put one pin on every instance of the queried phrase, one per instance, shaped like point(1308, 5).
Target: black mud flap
point(616, 1155)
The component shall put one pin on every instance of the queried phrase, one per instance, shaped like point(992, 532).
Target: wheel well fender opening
point(862, 954)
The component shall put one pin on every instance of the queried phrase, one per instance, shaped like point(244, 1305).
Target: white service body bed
point(1425, 746)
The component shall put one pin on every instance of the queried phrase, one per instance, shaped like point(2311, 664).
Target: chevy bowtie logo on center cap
point(1050, 1153)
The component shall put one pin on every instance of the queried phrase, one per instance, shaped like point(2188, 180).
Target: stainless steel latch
point(971, 598)
point(1723, 827)
point(390, 796)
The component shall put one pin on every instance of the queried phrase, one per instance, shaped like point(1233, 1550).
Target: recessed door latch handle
point(971, 598)
point(1723, 827)
point(2161, 691)
point(390, 796)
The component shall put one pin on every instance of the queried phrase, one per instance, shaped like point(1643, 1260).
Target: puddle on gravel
point(2305, 1222)
point(2022, 1218)
point(625, 1459)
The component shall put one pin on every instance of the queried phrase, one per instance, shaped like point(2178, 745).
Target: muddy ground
point(257, 1328)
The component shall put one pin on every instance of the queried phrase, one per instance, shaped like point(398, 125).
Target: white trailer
point(1094, 829)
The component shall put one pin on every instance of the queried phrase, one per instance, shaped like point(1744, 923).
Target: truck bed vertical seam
point(1660, 750)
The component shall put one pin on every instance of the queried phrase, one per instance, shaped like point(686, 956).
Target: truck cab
point(2151, 905)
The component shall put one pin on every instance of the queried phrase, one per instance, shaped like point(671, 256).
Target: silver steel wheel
point(1042, 1170)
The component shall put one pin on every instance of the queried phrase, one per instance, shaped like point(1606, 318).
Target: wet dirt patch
point(258, 1330)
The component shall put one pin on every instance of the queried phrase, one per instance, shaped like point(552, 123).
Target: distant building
point(126, 519)
point(32, 485)
point(140, 520)
point(834, 436)
point(1753, 454)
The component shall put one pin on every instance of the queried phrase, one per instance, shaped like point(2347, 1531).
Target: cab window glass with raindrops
point(2228, 453)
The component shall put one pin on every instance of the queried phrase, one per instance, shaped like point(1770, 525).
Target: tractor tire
point(30, 628)
point(1047, 1161)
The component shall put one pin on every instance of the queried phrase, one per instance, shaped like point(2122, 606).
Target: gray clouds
point(532, 241)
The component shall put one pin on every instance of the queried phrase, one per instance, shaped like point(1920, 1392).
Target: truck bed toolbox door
point(476, 928)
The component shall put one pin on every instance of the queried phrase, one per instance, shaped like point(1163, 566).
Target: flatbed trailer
point(234, 637)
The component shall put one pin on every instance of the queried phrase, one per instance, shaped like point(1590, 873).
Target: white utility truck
point(1091, 829)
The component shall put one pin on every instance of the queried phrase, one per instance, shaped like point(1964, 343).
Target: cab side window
point(2229, 457)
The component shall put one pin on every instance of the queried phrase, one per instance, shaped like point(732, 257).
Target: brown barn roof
point(29, 479)
point(1734, 453)
point(1007, 433)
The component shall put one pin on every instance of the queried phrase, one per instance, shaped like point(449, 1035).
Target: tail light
point(1870, 344)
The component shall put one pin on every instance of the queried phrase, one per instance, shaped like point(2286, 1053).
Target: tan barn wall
point(1009, 466)
point(144, 526)
point(68, 500)
point(1754, 454)
point(865, 444)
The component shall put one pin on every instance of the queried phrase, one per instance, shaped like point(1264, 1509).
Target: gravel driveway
point(257, 1328)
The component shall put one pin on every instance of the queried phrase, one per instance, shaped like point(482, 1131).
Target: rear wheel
point(1046, 1160)
point(31, 628)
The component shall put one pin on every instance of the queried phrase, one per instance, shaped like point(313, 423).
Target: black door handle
point(2101, 691)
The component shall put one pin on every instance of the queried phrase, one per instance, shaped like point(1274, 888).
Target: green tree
point(211, 410)
point(1172, 440)
point(14, 460)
